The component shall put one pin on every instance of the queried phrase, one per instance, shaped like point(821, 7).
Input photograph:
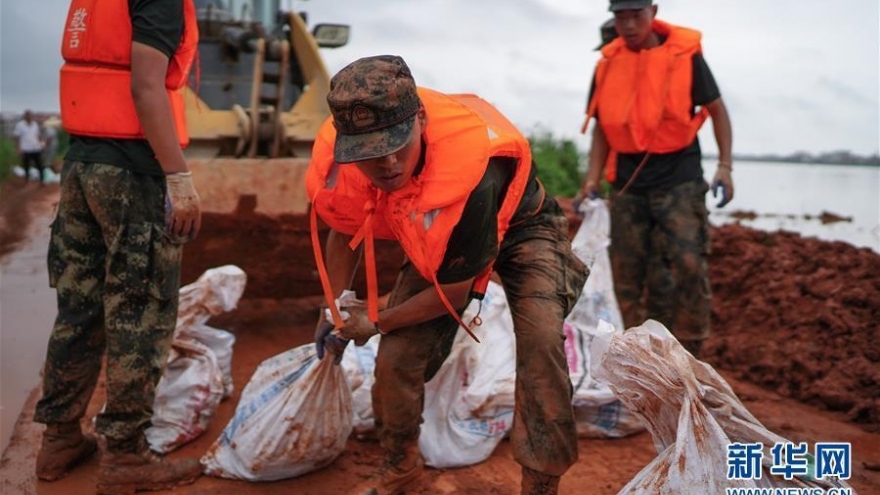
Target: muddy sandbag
point(198, 374)
point(692, 413)
point(469, 402)
point(294, 417)
point(598, 412)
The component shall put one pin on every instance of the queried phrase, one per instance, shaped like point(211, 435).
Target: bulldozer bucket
point(254, 215)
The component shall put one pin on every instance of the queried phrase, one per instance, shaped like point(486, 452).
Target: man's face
point(392, 172)
point(27, 116)
point(634, 26)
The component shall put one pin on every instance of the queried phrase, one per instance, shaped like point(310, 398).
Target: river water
point(793, 196)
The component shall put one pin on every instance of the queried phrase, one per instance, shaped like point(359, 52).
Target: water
point(783, 195)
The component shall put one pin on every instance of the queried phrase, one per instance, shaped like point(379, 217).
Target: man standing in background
point(658, 208)
point(29, 145)
point(127, 206)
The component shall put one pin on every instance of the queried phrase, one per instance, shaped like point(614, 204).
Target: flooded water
point(27, 311)
point(790, 196)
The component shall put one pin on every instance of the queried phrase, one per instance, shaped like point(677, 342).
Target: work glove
point(723, 182)
point(590, 191)
point(183, 213)
point(327, 339)
point(358, 326)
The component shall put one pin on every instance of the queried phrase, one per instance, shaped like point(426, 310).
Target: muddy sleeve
point(473, 243)
point(157, 23)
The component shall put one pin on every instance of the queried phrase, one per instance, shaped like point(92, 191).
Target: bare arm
point(724, 137)
point(723, 129)
point(598, 154)
point(341, 261)
point(148, 68)
point(425, 306)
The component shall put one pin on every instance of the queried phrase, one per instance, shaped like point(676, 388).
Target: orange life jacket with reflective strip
point(644, 97)
point(96, 76)
point(462, 133)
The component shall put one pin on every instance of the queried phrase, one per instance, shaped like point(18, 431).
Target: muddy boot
point(64, 446)
point(126, 473)
point(535, 483)
point(399, 472)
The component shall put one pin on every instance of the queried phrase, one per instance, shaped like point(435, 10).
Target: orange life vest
point(96, 76)
point(644, 97)
point(462, 133)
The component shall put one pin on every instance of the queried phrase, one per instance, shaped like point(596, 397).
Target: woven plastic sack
point(294, 417)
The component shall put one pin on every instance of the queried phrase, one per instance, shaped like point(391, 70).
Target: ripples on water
point(832, 202)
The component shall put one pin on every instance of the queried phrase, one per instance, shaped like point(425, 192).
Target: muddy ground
point(795, 332)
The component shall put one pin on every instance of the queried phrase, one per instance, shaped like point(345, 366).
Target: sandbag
point(469, 402)
point(358, 364)
point(294, 417)
point(198, 373)
point(690, 411)
point(598, 412)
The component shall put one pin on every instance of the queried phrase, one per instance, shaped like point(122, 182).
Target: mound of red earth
point(799, 316)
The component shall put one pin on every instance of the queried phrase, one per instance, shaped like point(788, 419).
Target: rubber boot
point(64, 446)
point(535, 483)
point(127, 473)
point(401, 470)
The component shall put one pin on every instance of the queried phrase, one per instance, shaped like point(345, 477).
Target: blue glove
point(324, 339)
point(725, 194)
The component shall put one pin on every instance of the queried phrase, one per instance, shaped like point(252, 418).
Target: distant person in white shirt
point(29, 145)
point(50, 138)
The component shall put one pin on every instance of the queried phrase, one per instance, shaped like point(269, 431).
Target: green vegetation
point(8, 158)
point(559, 163)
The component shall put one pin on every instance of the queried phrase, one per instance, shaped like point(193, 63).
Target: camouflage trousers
point(659, 247)
point(117, 277)
point(542, 279)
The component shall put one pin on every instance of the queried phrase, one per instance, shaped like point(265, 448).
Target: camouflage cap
point(618, 5)
point(374, 103)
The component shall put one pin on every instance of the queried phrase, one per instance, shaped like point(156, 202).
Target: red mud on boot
point(535, 483)
point(63, 448)
point(125, 474)
point(396, 475)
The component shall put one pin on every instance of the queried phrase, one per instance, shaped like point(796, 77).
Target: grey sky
point(796, 75)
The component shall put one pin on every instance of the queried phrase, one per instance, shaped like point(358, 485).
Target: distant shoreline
point(824, 159)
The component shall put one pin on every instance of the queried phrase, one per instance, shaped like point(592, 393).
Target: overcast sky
point(795, 74)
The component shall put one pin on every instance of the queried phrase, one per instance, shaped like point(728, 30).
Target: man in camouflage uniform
point(126, 208)
point(388, 135)
point(659, 220)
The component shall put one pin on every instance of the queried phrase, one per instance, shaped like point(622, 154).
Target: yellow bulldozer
point(254, 105)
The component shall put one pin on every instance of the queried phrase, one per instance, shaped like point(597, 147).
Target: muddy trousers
point(542, 280)
point(659, 249)
point(117, 275)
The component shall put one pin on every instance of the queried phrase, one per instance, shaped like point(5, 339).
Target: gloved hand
point(724, 182)
point(358, 326)
point(183, 215)
point(589, 191)
point(326, 339)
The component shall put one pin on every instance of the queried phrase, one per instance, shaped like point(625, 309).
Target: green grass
point(559, 163)
point(8, 158)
